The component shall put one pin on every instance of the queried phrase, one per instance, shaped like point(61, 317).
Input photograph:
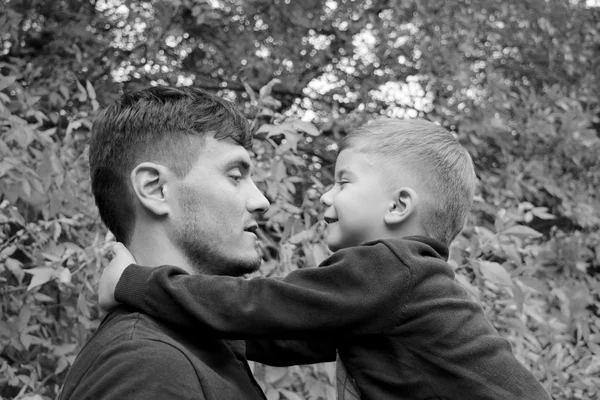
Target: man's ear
point(149, 181)
point(403, 206)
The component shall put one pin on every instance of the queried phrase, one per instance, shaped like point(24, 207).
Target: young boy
point(386, 298)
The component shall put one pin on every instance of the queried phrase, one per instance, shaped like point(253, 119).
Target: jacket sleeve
point(355, 291)
point(137, 370)
point(282, 353)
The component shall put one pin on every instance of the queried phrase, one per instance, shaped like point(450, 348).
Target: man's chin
point(245, 266)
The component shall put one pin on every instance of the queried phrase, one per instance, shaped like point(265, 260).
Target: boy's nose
point(326, 198)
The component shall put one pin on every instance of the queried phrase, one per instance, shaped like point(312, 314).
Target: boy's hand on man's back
point(111, 275)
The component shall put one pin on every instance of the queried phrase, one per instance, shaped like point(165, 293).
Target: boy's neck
point(409, 228)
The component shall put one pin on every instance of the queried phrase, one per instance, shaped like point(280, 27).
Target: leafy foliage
point(516, 80)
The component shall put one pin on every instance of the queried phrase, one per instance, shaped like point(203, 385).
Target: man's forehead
point(221, 153)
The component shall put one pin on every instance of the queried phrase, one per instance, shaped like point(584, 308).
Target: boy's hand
point(111, 275)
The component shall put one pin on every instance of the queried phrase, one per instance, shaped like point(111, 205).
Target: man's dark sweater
point(403, 327)
point(132, 356)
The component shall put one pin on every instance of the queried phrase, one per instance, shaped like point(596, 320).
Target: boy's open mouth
point(330, 220)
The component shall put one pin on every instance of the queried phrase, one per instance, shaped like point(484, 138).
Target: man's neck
point(152, 249)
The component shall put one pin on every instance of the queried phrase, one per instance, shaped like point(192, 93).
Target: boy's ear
point(149, 181)
point(404, 205)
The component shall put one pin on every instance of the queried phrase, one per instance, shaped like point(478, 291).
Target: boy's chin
point(333, 245)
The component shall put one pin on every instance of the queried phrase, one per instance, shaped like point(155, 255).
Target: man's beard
point(205, 260)
point(205, 255)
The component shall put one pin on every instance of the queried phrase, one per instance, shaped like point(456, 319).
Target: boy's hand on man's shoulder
point(111, 275)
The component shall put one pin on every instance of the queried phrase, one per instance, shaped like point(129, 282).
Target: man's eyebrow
point(240, 163)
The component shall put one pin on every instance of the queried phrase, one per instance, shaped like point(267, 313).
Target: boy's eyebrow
point(343, 171)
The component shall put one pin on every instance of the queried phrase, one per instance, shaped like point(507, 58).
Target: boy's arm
point(283, 353)
point(355, 291)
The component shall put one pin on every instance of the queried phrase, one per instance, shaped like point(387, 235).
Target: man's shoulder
point(126, 347)
point(122, 330)
point(123, 324)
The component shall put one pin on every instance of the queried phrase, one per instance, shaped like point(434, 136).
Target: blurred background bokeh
point(518, 82)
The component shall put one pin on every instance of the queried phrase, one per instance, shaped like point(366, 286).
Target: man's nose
point(257, 202)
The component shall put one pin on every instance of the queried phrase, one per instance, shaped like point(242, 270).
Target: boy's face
point(357, 203)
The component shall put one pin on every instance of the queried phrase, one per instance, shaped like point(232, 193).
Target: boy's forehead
point(353, 157)
point(351, 160)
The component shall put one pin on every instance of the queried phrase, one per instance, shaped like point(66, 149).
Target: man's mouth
point(330, 220)
point(251, 228)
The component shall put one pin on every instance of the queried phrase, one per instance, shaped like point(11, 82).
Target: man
point(171, 176)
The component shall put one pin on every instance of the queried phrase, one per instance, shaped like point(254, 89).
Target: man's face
point(214, 222)
point(357, 203)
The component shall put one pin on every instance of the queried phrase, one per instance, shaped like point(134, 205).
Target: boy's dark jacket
point(403, 327)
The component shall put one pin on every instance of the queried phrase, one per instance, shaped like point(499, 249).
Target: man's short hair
point(165, 125)
point(431, 153)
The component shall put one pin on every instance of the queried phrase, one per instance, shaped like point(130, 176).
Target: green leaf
point(24, 317)
point(26, 340)
point(464, 282)
point(6, 165)
point(9, 251)
point(64, 349)
point(265, 91)
point(41, 275)
point(6, 81)
point(32, 397)
point(289, 395)
point(90, 90)
point(64, 91)
point(301, 237)
point(43, 298)
point(522, 231)
point(306, 127)
point(275, 374)
point(265, 128)
point(272, 394)
point(320, 252)
point(64, 275)
point(82, 95)
point(542, 213)
point(6, 330)
point(82, 305)
point(595, 348)
point(495, 273)
point(485, 235)
point(14, 266)
point(61, 365)
point(286, 129)
point(4, 98)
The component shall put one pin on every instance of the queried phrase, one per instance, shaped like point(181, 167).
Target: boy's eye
point(342, 182)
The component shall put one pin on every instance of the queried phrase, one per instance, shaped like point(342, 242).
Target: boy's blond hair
point(431, 153)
